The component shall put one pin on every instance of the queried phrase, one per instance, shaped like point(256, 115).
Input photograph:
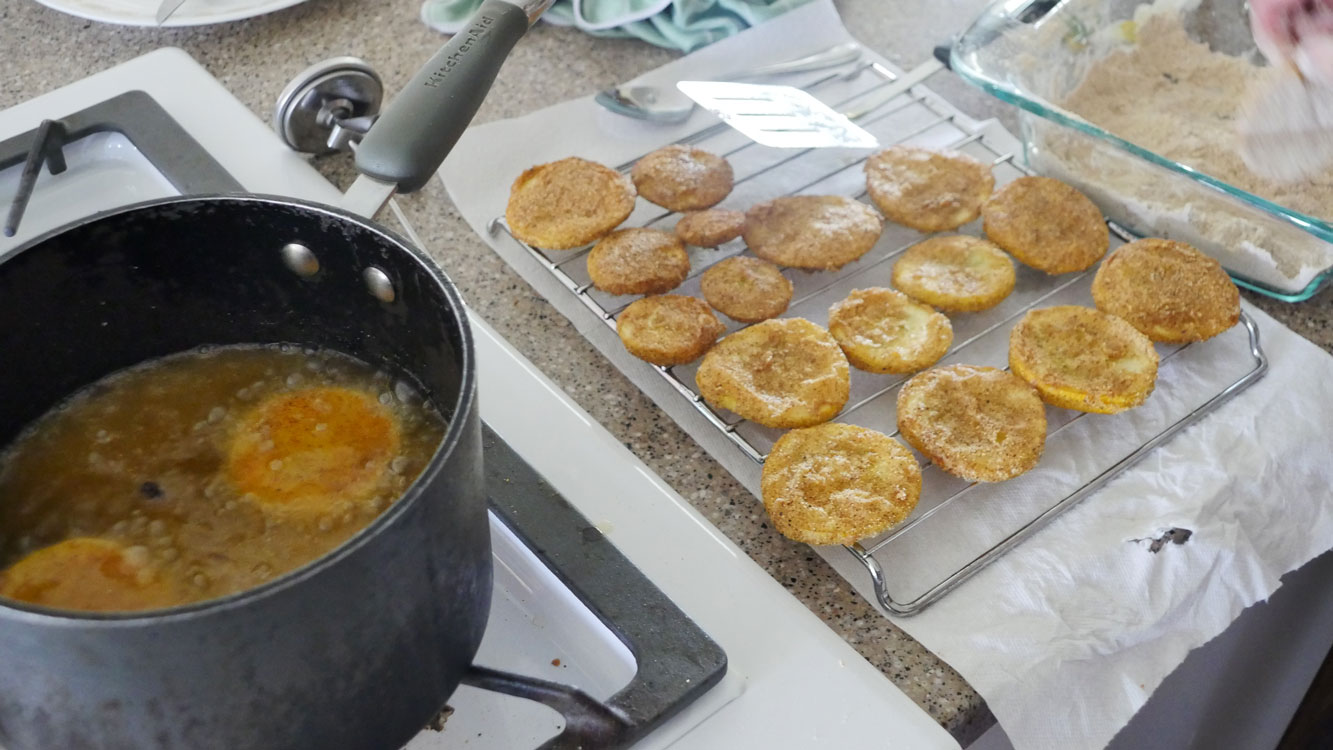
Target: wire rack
point(980, 521)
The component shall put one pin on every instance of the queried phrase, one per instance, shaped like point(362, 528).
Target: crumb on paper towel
point(1173, 535)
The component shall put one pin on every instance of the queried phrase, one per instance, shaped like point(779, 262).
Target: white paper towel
point(1068, 634)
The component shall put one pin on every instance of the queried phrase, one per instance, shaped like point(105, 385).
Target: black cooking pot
point(357, 649)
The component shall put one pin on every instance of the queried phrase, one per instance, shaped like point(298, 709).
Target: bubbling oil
point(204, 473)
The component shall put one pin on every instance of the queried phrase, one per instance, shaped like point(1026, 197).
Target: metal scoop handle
point(833, 56)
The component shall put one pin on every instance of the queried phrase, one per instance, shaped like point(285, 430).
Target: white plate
point(142, 12)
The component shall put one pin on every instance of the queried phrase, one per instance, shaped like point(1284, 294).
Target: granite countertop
point(256, 58)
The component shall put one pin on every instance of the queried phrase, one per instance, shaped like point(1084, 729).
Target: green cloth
point(676, 24)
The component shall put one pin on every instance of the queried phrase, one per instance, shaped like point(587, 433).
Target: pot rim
point(463, 404)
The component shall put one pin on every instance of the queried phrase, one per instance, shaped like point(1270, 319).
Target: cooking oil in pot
point(203, 474)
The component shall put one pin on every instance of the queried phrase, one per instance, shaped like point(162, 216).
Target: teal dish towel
point(675, 24)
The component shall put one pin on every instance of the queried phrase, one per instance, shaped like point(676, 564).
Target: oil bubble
point(137, 555)
point(405, 393)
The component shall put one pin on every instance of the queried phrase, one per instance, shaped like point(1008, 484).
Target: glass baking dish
point(1033, 53)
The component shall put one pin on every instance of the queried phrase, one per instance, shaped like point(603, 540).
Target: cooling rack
point(975, 523)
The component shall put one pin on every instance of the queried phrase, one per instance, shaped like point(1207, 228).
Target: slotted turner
point(787, 117)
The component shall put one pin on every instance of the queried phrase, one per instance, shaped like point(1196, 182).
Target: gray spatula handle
point(419, 127)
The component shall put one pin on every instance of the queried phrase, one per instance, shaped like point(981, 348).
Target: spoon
point(667, 105)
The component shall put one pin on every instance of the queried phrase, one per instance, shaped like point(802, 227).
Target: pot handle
point(588, 722)
point(409, 141)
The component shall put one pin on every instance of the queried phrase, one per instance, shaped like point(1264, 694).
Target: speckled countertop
point(44, 49)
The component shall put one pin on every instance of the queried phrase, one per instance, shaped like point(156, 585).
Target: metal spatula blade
point(1286, 127)
point(778, 116)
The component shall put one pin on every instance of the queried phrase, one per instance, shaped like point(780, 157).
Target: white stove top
point(791, 681)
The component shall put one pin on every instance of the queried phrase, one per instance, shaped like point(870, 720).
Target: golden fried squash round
point(930, 191)
point(711, 227)
point(838, 483)
point(812, 231)
point(638, 261)
point(568, 203)
point(885, 331)
point(978, 423)
point(746, 289)
point(304, 451)
point(1168, 290)
point(956, 273)
point(780, 373)
point(1046, 224)
point(1083, 359)
point(89, 574)
point(682, 178)
point(668, 329)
